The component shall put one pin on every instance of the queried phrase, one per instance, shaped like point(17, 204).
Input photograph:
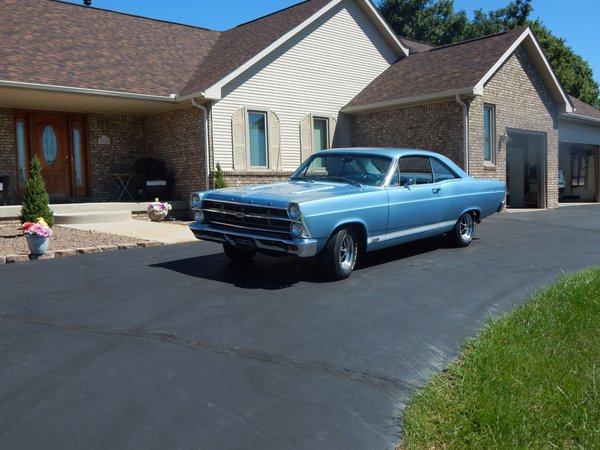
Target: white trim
point(88, 91)
point(408, 232)
point(526, 34)
point(383, 24)
point(214, 92)
point(579, 118)
point(407, 100)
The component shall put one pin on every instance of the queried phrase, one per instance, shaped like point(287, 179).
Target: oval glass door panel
point(49, 145)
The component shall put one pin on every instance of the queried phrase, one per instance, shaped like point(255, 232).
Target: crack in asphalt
point(384, 382)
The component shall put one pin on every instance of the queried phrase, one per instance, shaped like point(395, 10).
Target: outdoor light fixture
point(504, 139)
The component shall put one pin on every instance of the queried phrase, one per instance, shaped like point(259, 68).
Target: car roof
point(381, 151)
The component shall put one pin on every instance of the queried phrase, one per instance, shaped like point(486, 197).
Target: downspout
point(465, 109)
point(206, 153)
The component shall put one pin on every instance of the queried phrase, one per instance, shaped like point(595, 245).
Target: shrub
point(220, 181)
point(35, 200)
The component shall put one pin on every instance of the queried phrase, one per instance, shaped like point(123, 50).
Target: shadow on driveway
point(274, 273)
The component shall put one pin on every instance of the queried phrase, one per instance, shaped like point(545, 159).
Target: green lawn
point(531, 380)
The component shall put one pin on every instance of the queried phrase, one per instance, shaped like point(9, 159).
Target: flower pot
point(38, 245)
point(157, 216)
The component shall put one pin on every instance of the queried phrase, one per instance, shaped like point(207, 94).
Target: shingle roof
point(583, 109)
point(62, 44)
point(415, 46)
point(56, 43)
point(238, 45)
point(441, 69)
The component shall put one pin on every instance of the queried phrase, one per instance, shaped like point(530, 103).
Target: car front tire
point(463, 232)
point(339, 254)
point(237, 254)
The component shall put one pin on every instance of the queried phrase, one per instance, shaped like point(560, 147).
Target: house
point(92, 91)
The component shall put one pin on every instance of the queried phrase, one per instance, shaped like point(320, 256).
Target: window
point(257, 138)
point(489, 134)
point(415, 170)
point(320, 134)
point(441, 171)
point(77, 154)
point(21, 157)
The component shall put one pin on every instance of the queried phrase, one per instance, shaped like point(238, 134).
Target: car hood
point(281, 194)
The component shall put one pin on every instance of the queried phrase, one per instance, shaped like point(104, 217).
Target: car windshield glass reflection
point(357, 170)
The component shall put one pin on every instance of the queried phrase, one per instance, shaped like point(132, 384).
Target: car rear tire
point(463, 232)
point(339, 254)
point(238, 254)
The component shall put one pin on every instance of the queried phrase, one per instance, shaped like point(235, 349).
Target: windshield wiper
point(344, 180)
point(301, 178)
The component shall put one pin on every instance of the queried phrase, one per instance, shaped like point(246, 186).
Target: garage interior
point(580, 166)
point(526, 170)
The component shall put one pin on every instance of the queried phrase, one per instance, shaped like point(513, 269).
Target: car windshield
point(368, 170)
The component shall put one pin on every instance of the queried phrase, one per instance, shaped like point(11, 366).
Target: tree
point(435, 22)
point(220, 181)
point(35, 199)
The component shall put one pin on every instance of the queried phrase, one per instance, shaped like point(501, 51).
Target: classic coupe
point(342, 202)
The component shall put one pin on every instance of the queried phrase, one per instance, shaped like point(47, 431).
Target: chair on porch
point(4, 179)
point(152, 177)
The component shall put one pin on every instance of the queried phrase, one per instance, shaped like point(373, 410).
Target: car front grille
point(266, 221)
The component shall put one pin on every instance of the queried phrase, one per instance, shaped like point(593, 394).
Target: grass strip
point(530, 380)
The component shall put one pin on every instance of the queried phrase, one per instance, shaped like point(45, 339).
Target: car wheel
point(238, 254)
point(463, 232)
point(339, 254)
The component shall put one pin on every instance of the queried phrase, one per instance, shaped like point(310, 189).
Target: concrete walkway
point(163, 232)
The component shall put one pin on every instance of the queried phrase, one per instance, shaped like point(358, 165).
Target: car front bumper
point(303, 248)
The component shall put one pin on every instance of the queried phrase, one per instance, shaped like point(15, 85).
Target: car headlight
point(199, 216)
point(294, 211)
point(196, 202)
point(297, 229)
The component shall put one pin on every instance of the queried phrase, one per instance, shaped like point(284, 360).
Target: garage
point(579, 154)
point(526, 161)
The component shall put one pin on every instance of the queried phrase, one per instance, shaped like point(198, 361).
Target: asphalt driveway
point(176, 348)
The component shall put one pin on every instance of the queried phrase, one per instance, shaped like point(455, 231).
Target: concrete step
point(92, 217)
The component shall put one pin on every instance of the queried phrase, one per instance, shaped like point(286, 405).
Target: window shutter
point(238, 136)
point(274, 140)
point(306, 137)
point(332, 128)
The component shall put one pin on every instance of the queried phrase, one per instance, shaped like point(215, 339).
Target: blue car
point(340, 203)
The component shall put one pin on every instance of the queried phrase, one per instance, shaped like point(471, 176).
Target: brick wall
point(127, 143)
point(522, 103)
point(435, 126)
point(176, 138)
point(8, 153)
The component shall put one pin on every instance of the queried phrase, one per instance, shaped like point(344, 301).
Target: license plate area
point(244, 243)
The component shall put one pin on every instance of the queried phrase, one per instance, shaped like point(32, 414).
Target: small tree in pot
point(36, 201)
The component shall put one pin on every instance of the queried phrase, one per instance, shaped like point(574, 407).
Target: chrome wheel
point(347, 252)
point(463, 232)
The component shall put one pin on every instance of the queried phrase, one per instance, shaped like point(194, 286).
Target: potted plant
point(158, 210)
point(37, 235)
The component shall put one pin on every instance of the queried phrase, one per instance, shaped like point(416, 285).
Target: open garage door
point(526, 170)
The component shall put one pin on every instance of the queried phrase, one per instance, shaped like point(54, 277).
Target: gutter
point(75, 90)
point(206, 153)
point(465, 109)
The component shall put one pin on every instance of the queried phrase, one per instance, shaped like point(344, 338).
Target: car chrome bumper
point(303, 248)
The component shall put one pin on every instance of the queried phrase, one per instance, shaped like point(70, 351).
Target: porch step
point(92, 217)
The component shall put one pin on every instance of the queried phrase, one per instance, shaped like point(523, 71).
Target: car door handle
point(436, 190)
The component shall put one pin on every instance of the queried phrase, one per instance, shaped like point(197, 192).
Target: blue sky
point(576, 21)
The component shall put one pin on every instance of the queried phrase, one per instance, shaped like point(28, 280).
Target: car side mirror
point(410, 182)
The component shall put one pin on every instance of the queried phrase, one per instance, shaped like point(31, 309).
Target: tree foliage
point(220, 181)
point(437, 23)
point(35, 199)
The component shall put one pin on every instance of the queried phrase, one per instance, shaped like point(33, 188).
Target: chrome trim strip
point(409, 231)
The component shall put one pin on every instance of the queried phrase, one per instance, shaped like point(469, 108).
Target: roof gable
point(456, 69)
point(241, 47)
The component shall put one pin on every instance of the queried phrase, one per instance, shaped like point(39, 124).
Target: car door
point(415, 205)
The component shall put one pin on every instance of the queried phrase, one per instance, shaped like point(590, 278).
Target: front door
point(50, 142)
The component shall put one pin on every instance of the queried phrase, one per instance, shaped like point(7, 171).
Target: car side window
point(415, 170)
point(441, 172)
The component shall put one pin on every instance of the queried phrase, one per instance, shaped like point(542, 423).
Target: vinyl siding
point(580, 133)
point(317, 72)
